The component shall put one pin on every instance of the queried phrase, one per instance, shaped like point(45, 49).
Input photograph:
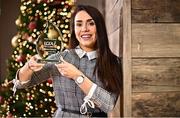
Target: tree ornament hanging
point(1, 100)
point(30, 39)
point(21, 58)
point(25, 36)
point(49, 81)
point(32, 25)
point(39, 1)
point(14, 41)
point(18, 21)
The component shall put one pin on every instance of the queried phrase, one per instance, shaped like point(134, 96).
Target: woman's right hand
point(33, 65)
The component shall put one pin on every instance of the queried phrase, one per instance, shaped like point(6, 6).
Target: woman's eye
point(91, 23)
point(78, 24)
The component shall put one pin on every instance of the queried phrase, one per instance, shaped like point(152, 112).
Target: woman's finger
point(61, 65)
point(61, 71)
point(32, 65)
point(38, 65)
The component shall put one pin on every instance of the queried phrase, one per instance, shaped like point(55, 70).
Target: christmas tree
point(37, 101)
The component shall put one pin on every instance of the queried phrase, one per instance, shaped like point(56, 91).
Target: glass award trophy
point(49, 42)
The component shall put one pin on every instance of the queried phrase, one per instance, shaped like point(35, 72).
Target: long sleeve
point(104, 99)
point(41, 76)
point(36, 78)
point(18, 83)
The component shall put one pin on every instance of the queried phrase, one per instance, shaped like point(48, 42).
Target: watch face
point(80, 80)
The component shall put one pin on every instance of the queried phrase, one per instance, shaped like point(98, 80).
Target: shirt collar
point(91, 55)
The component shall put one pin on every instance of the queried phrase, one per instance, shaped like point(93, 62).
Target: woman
point(89, 79)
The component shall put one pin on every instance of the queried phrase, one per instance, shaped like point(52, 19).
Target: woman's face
point(85, 31)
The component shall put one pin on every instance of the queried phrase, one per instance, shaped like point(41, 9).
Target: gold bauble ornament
point(39, 1)
point(14, 41)
point(52, 33)
point(18, 21)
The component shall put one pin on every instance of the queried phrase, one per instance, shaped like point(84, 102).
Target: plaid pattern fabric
point(68, 95)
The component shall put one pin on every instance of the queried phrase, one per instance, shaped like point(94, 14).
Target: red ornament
point(1, 100)
point(21, 58)
point(9, 115)
point(32, 25)
point(46, 1)
point(49, 81)
point(56, 2)
point(29, 97)
point(25, 36)
point(31, 39)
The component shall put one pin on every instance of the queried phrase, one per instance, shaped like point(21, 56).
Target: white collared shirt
point(80, 52)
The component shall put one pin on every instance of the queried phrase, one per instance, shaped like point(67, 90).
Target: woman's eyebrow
point(78, 20)
point(82, 21)
point(89, 20)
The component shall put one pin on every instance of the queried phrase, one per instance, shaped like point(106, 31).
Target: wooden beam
point(127, 106)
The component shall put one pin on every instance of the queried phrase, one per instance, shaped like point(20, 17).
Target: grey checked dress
point(68, 95)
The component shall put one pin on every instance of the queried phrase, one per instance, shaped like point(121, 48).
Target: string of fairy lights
point(30, 23)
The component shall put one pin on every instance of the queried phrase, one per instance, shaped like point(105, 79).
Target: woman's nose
point(85, 27)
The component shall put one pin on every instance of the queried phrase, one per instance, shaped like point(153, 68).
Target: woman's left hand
point(68, 69)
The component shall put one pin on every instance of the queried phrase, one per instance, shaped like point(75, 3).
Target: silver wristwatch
point(80, 79)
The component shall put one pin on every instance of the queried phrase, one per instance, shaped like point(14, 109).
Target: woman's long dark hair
point(108, 66)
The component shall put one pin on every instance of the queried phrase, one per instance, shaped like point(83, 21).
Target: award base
point(44, 61)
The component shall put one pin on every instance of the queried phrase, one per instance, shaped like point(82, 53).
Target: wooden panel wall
point(113, 18)
point(155, 11)
point(156, 40)
point(156, 58)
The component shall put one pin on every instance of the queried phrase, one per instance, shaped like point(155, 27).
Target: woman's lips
point(86, 36)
